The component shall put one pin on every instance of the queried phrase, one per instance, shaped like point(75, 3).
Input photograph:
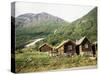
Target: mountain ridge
point(35, 19)
point(55, 31)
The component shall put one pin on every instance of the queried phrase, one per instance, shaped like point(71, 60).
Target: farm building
point(83, 46)
point(45, 48)
point(94, 48)
point(66, 48)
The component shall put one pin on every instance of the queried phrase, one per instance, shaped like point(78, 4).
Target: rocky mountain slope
point(54, 29)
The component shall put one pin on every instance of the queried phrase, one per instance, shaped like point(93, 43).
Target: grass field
point(33, 61)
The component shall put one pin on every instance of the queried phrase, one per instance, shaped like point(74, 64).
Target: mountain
point(86, 25)
point(33, 26)
point(54, 29)
point(31, 19)
point(24, 19)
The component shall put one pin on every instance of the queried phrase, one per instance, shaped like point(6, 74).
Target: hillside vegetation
point(34, 61)
point(53, 29)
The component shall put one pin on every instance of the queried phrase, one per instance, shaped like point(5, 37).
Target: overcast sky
point(66, 12)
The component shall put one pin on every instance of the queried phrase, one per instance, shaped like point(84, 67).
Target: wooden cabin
point(66, 48)
point(45, 48)
point(83, 46)
point(94, 48)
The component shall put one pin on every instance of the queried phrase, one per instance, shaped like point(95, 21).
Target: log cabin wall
point(94, 48)
point(69, 48)
point(85, 47)
point(61, 50)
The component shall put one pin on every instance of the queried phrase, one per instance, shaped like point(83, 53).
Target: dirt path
point(34, 42)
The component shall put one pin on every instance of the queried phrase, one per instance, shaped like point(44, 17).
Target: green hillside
point(27, 34)
point(54, 30)
point(86, 26)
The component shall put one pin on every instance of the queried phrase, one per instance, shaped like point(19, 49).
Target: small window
point(69, 47)
point(86, 45)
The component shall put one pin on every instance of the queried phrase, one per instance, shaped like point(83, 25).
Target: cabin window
point(69, 47)
point(86, 45)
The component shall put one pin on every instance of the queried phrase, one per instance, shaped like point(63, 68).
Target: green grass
point(33, 61)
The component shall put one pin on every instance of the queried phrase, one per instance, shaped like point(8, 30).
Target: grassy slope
point(85, 26)
point(25, 34)
point(32, 61)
